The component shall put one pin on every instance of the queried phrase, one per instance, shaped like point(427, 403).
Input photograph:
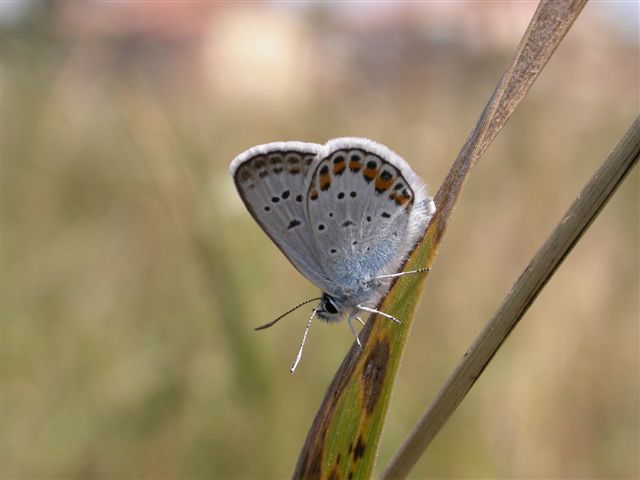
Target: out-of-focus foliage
point(132, 276)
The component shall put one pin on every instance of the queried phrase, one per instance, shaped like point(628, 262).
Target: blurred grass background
point(132, 276)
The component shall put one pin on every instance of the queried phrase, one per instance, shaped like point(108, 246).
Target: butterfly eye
point(330, 306)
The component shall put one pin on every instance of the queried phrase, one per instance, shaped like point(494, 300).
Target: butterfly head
point(329, 309)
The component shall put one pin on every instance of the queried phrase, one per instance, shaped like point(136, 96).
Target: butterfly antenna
point(304, 339)
point(273, 322)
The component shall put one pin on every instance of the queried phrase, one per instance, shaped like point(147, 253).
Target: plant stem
point(566, 234)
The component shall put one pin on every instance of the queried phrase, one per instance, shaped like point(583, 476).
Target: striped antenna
point(273, 322)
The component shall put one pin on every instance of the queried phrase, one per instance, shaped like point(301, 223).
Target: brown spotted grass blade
point(566, 234)
point(344, 437)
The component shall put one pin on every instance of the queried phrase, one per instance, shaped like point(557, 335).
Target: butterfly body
point(345, 214)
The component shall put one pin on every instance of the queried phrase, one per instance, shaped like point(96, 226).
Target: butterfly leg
point(360, 320)
point(378, 312)
point(410, 272)
point(353, 330)
point(304, 339)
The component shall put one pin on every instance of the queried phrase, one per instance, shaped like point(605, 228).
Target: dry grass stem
point(566, 234)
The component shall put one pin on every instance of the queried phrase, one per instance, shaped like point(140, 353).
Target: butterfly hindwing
point(366, 209)
point(271, 180)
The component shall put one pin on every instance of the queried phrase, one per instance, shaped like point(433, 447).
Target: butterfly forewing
point(364, 213)
point(271, 180)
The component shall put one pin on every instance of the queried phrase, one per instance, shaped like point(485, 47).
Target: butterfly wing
point(271, 181)
point(366, 209)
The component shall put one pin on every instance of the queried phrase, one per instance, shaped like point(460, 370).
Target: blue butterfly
point(345, 214)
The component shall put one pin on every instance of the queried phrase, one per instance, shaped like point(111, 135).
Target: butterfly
point(345, 214)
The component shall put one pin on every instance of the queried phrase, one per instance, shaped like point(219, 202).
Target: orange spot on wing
point(382, 185)
point(325, 181)
point(400, 199)
point(370, 173)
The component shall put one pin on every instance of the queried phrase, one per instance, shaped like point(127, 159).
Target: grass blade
point(566, 234)
point(343, 439)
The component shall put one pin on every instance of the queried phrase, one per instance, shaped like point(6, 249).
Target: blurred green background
point(132, 276)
